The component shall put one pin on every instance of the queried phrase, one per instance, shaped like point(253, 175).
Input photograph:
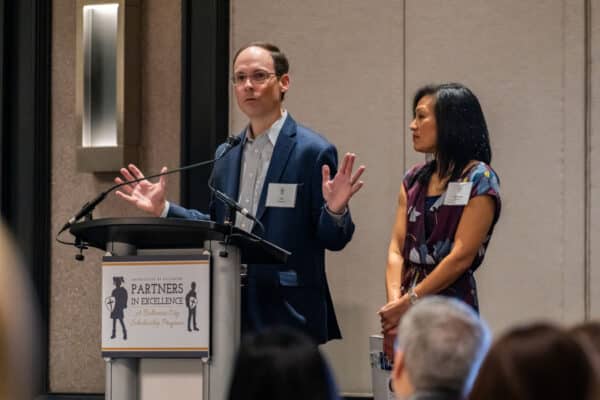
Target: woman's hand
point(392, 312)
point(388, 343)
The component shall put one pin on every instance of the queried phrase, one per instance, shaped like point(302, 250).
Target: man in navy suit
point(281, 173)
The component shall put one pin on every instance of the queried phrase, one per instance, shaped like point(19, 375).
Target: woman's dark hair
point(590, 333)
point(540, 361)
point(280, 363)
point(462, 133)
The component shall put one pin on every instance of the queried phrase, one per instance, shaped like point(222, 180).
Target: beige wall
point(75, 362)
point(594, 160)
point(346, 83)
point(355, 66)
point(525, 61)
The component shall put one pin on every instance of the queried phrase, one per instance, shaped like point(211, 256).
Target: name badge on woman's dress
point(458, 193)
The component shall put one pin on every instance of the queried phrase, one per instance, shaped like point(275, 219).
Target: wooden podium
point(143, 240)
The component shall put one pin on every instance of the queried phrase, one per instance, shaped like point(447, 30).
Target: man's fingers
point(127, 188)
point(126, 174)
point(126, 197)
point(163, 179)
point(135, 170)
point(342, 166)
point(326, 173)
point(357, 174)
point(350, 164)
point(120, 181)
point(357, 186)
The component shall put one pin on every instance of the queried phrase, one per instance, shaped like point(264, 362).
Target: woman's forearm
point(393, 274)
point(472, 230)
point(444, 274)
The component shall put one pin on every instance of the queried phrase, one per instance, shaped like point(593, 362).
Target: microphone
point(88, 207)
point(230, 143)
point(228, 200)
point(232, 203)
point(236, 206)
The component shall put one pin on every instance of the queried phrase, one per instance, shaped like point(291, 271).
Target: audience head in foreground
point(589, 332)
point(440, 344)
point(18, 325)
point(536, 362)
point(281, 363)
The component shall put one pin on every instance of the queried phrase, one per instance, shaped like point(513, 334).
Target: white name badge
point(282, 195)
point(458, 193)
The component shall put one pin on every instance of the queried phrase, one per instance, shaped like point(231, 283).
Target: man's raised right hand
point(145, 195)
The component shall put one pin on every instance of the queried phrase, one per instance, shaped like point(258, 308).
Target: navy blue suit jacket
point(297, 293)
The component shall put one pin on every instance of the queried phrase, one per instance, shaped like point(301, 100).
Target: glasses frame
point(252, 78)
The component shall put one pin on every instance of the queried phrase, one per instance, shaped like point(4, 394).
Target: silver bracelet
point(412, 295)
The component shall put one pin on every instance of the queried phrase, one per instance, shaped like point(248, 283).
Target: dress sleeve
point(486, 183)
point(409, 177)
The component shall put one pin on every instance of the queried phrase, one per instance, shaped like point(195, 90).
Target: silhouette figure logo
point(116, 303)
point(191, 301)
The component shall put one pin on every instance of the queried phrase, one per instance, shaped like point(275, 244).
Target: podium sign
point(154, 313)
point(156, 307)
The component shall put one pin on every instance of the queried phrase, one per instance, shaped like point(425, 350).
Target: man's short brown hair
point(280, 61)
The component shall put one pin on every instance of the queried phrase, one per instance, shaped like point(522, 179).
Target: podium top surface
point(173, 233)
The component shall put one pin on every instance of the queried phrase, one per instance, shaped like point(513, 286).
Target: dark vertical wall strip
point(3, 144)
point(205, 91)
point(25, 144)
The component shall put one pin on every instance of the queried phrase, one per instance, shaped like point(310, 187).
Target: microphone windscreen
point(234, 140)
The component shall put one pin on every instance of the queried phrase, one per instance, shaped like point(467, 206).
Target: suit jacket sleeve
point(332, 234)
point(176, 211)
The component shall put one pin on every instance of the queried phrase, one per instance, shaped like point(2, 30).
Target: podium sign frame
point(156, 307)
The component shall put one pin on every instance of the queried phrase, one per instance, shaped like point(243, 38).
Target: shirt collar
point(273, 131)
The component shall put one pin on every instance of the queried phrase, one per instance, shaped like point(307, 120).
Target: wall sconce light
point(108, 84)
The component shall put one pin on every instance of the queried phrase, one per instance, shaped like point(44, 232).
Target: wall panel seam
point(404, 121)
point(587, 157)
point(563, 156)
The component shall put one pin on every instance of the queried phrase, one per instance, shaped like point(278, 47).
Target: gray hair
point(443, 341)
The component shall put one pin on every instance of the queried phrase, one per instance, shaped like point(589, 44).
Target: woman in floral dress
point(447, 207)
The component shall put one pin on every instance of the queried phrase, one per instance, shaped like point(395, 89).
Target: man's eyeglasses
point(256, 77)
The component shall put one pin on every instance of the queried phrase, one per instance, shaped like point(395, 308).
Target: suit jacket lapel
point(281, 153)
